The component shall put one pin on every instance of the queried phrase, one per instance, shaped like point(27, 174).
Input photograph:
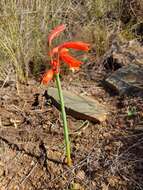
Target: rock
point(80, 107)
point(120, 53)
point(127, 80)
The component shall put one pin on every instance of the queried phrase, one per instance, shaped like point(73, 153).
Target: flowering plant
point(58, 54)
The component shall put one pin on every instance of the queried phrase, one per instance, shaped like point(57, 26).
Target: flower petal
point(56, 66)
point(55, 32)
point(71, 61)
point(76, 45)
point(54, 51)
point(47, 77)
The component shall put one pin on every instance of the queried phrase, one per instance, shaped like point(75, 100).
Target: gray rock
point(80, 107)
point(127, 80)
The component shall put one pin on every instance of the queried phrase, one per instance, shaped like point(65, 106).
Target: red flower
point(47, 77)
point(61, 52)
point(56, 66)
point(55, 33)
point(67, 58)
point(54, 51)
point(76, 45)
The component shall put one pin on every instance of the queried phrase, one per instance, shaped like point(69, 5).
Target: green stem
point(66, 134)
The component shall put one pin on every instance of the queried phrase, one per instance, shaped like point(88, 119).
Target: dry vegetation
point(24, 25)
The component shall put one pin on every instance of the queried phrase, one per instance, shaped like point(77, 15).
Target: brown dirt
point(106, 156)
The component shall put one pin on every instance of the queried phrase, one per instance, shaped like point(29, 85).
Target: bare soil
point(106, 156)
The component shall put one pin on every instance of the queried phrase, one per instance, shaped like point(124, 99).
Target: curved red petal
point(54, 51)
point(47, 77)
point(76, 45)
point(55, 32)
point(68, 59)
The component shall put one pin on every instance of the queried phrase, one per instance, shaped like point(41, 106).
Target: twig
point(28, 175)
point(6, 79)
point(84, 125)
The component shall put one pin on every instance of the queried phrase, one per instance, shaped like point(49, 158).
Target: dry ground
point(105, 156)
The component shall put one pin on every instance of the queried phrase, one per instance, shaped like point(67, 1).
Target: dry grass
point(24, 26)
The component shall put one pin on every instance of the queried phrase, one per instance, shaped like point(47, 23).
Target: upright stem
point(66, 134)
